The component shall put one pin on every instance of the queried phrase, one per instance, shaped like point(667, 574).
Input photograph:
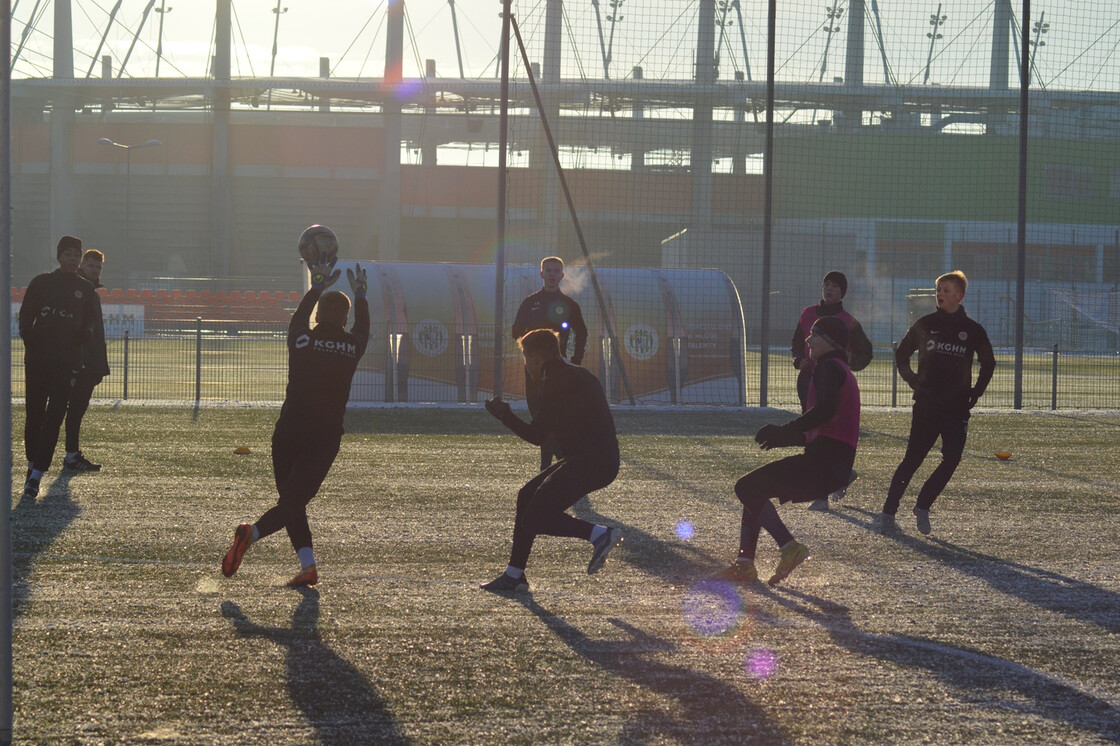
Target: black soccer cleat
point(80, 463)
point(603, 546)
point(506, 584)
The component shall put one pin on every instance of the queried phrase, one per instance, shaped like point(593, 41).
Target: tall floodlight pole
point(937, 21)
point(1040, 28)
point(455, 29)
point(163, 10)
point(275, 38)
point(128, 190)
point(6, 379)
point(1021, 259)
point(500, 258)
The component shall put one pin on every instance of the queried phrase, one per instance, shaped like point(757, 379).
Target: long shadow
point(964, 668)
point(35, 526)
point(672, 562)
point(710, 710)
point(1062, 594)
point(337, 699)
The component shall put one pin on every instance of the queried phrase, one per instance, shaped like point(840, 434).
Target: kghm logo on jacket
point(340, 347)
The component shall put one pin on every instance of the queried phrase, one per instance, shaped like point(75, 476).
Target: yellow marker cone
point(244, 450)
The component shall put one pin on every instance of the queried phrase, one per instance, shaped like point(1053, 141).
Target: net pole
point(575, 217)
point(1021, 248)
point(6, 671)
point(767, 210)
point(500, 256)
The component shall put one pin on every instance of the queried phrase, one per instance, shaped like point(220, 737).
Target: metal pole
point(128, 215)
point(500, 258)
point(768, 208)
point(6, 379)
point(1021, 269)
point(125, 396)
point(1054, 380)
point(198, 361)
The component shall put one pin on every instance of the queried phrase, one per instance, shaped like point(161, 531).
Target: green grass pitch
point(1000, 627)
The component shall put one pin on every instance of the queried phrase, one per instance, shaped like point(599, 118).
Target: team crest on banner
point(430, 337)
point(640, 341)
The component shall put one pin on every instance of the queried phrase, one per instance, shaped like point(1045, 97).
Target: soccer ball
point(318, 241)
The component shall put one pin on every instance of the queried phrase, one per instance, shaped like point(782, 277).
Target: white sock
point(306, 556)
point(514, 572)
point(72, 455)
point(596, 533)
point(256, 534)
point(36, 474)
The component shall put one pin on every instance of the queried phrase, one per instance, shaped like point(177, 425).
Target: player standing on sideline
point(833, 289)
point(573, 409)
point(95, 366)
point(308, 433)
point(829, 431)
point(944, 395)
point(548, 308)
point(56, 318)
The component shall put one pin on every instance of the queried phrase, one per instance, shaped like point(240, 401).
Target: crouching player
point(573, 409)
point(308, 433)
point(829, 431)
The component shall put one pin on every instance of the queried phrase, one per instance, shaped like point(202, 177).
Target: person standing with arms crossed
point(548, 308)
point(95, 366)
point(833, 289)
point(946, 341)
point(321, 364)
point(572, 408)
point(56, 318)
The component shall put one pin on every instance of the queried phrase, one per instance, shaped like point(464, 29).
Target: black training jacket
point(57, 317)
point(545, 310)
point(574, 408)
point(321, 364)
point(946, 344)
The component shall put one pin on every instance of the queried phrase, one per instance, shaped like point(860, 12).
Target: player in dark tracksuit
point(946, 341)
point(94, 367)
point(321, 364)
point(574, 410)
point(548, 308)
point(829, 431)
point(56, 318)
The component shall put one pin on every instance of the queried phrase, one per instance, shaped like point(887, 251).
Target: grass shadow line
point(961, 667)
point(706, 703)
point(337, 699)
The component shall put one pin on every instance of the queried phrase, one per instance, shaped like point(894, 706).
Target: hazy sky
point(1078, 51)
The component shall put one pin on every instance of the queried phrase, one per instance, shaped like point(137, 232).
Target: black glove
point(323, 273)
point(774, 436)
point(358, 283)
point(499, 408)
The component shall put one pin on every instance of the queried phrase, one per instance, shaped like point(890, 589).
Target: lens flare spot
point(685, 530)
point(563, 324)
point(761, 663)
point(713, 608)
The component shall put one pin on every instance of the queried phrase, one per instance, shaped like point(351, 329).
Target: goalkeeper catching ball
point(321, 363)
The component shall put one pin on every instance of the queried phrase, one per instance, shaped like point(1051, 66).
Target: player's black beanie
point(67, 242)
point(832, 330)
point(839, 279)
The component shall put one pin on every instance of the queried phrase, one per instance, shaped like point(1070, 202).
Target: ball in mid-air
point(318, 241)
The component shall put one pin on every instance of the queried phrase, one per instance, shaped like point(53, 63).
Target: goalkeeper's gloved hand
point(323, 273)
point(499, 408)
point(358, 282)
point(774, 436)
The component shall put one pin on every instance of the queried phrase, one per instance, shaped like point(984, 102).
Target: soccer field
point(1000, 627)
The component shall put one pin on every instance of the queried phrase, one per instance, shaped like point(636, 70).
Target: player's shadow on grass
point(709, 707)
point(673, 562)
point(963, 668)
point(337, 699)
point(1048, 590)
point(36, 523)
